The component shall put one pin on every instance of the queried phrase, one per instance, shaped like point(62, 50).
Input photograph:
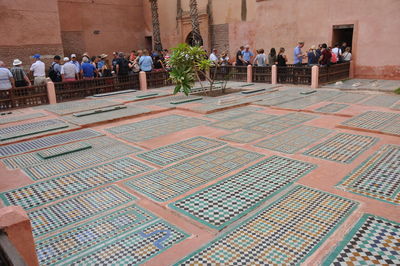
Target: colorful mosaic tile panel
point(373, 241)
point(12, 119)
point(294, 139)
point(309, 100)
point(54, 217)
point(233, 112)
point(181, 150)
point(348, 97)
point(371, 120)
point(77, 106)
point(228, 200)
point(73, 242)
point(343, 147)
point(33, 128)
point(244, 136)
point(175, 180)
point(381, 100)
point(285, 233)
point(377, 177)
point(41, 193)
point(331, 108)
point(281, 123)
point(46, 142)
point(135, 247)
point(243, 121)
point(62, 150)
point(392, 127)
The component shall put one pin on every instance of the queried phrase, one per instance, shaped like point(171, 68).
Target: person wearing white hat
point(20, 77)
point(69, 71)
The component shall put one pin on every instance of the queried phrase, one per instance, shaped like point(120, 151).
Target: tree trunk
point(156, 26)
point(194, 17)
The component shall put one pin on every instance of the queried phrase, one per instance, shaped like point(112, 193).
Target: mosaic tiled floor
point(46, 142)
point(285, 232)
point(41, 193)
point(122, 224)
point(156, 127)
point(11, 119)
point(373, 241)
point(281, 123)
point(179, 151)
point(381, 100)
point(342, 147)
point(228, 200)
point(243, 121)
point(331, 108)
point(393, 127)
point(54, 217)
point(175, 180)
point(348, 97)
point(244, 136)
point(372, 120)
point(77, 106)
point(233, 112)
point(294, 139)
point(377, 177)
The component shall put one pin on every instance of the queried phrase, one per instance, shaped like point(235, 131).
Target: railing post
point(16, 224)
point(51, 91)
point(274, 74)
point(351, 70)
point(314, 77)
point(249, 74)
point(143, 81)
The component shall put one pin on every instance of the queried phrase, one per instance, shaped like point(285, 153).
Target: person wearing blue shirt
point(298, 54)
point(145, 62)
point(88, 69)
point(247, 55)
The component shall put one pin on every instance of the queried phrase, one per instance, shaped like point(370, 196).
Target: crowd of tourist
point(70, 69)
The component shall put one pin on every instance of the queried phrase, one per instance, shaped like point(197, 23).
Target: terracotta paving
point(268, 177)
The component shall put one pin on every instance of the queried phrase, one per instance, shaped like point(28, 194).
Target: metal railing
point(23, 97)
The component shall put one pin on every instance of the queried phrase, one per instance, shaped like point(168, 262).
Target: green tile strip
point(187, 100)
point(44, 192)
point(178, 151)
point(378, 177)
point(372, 241)
point(342, 147)
point(294, 139)
point(253, 91)
point(147, 95)
point(97, 111)
point(65, 149)
point(82, 207)
point(286, 232)
point(219, 205)
point(175, 180)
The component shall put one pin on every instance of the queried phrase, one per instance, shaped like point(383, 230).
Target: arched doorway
point(190, 40)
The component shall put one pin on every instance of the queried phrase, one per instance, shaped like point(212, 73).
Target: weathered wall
point(24, 30)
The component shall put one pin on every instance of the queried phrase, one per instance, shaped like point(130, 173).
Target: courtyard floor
point(267, 175)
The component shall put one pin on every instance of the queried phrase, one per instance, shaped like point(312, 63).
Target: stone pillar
point(314, 77)
point(249, 74)
point(143, 81)
point(16, 224)
point(351, 70)
point(51, 92)
point(274, 74)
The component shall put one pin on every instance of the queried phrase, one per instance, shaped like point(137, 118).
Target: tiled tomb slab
point(343, 147)
point(331, 108)
point(381, 100)
point(151, 234)
point(77, 106)
point(236, 112)
point(63, 150)
point(175, 180)
point(178, 151)
point(79, 208)
point(281, 123)
point(295, 139)
point(285, 232)
point(378, 177)
point(375, 120)
point(372, 241)
point(301, 103)
point(18, 118)
point(45, 142)
point(228, 200)
point(47, 191)
point(242, 121)
point(243, 136)
point(348, 97)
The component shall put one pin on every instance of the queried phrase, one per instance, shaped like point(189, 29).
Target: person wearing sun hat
point(20, 77)
point(38, 71)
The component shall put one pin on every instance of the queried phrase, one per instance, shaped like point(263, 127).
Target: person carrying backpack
point(55, 70)
point(122, 65)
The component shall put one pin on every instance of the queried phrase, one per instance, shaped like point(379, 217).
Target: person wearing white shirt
point(38, 71)
point(213, 56)
point(6, 78)
point(69, 72)
point(337, 51)
point(346, 56)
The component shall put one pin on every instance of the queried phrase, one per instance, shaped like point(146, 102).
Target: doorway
point(149, 43)
point(343, 33)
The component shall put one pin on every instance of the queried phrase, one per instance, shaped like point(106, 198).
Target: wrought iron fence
point(234, 73)
point(293, 74)
point(158, 79)
point(23, 97)
point(262, 74)
point(334, 72)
